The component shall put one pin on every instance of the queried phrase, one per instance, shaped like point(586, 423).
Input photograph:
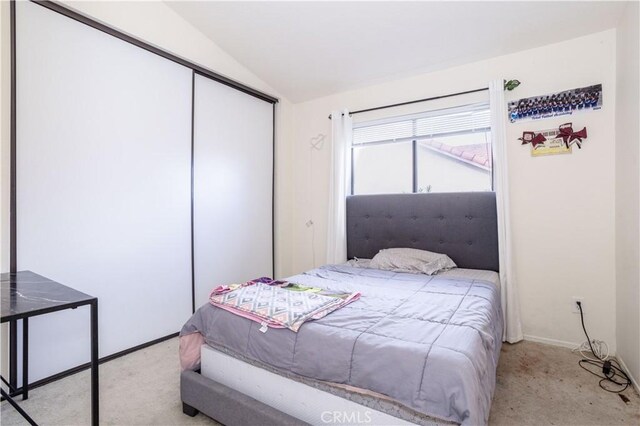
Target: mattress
point(429, 343)
point(308, 400)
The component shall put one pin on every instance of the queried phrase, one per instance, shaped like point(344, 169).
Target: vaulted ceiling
point(311, 49)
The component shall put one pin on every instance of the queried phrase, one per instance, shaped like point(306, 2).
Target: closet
point(233, 175)
point(139, 179)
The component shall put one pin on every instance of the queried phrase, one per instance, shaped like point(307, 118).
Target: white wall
point(562, 205)
point(627, 190)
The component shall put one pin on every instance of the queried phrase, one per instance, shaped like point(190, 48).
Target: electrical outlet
point(574, 304)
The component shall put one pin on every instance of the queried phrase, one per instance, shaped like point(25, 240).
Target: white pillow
point(411, 260)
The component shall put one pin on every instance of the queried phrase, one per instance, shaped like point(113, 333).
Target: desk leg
point(18, 408)
point(13, 354)
point(95, 399)
point(25, 358)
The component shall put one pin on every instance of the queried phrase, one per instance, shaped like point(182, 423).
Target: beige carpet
point(537, 385)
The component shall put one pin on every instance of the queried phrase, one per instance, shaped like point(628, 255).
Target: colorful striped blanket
point(278, 304)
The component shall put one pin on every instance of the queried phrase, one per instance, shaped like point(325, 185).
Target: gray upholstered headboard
point(462, 225)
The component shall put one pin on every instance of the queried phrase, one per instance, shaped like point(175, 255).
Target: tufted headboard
point(462, 225)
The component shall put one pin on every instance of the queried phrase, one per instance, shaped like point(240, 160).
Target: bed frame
point(461, 225)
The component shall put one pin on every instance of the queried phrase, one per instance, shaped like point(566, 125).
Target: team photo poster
point(556, 104)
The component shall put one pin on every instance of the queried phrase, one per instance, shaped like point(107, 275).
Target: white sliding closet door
point(103, 185)
point(233, 175)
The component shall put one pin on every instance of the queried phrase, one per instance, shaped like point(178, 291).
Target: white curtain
point(512, 331)
point(339, 186)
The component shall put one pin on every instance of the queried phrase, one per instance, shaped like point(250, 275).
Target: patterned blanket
point(278, 304)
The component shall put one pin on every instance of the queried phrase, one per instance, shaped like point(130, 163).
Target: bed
point(414, 349)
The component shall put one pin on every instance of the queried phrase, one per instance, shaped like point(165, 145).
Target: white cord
point(600, 348)
point(316, 143)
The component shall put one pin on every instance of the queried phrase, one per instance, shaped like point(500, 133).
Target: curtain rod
point(417, 100)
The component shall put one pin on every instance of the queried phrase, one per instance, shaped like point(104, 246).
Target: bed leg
point(189, 410)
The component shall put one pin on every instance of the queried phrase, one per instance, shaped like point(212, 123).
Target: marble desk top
point(26, 294)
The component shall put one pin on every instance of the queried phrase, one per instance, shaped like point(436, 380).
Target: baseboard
point(102, 360)
point(626, 370)
point(552, 342)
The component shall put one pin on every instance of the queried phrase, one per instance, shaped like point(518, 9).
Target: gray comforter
point(429, 342)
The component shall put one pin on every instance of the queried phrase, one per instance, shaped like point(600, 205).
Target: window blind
point(466, 119)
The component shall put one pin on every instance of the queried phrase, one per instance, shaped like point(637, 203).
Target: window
point(446, 150)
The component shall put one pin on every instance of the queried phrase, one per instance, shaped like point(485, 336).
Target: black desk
point(26, 294)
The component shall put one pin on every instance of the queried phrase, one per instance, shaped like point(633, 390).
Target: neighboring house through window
point(447, 150)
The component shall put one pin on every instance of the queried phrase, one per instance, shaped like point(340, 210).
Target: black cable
point(585, 330)
point(616, 372)
point(614, 377)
